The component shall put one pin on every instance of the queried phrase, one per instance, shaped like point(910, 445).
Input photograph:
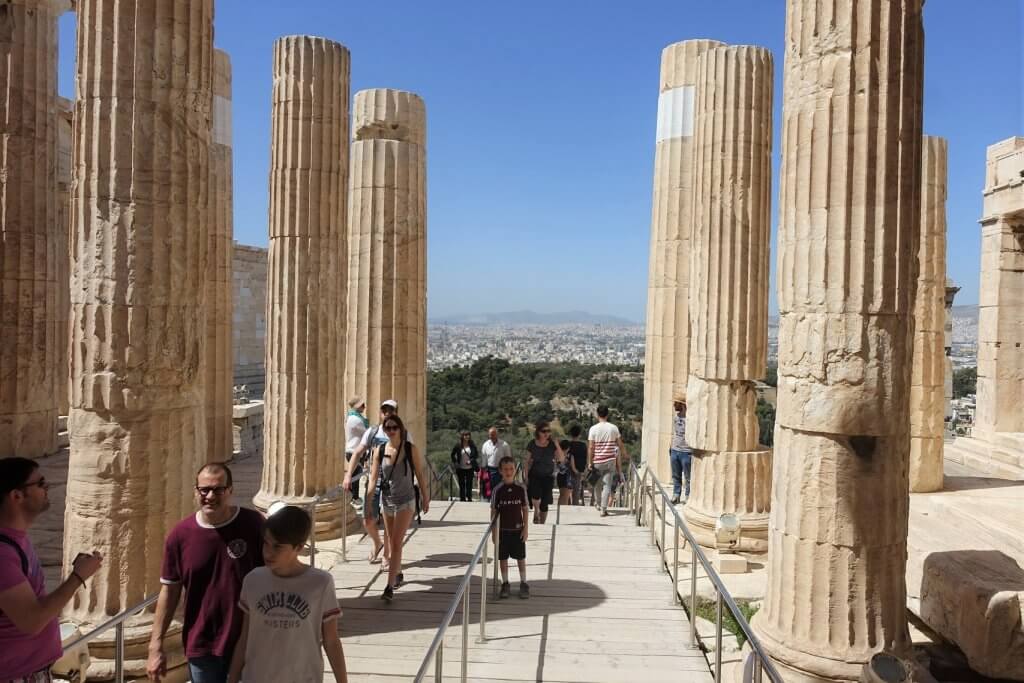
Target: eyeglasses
point(40, 482)
point(207, 490)
point(391, 428)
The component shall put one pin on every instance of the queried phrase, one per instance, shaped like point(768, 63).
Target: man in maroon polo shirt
point(206, 554)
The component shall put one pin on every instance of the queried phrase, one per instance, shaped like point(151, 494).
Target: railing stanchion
point(675, 563)
point(653, 512)
point(119, 653)
point(465, 630)
point(664, 520)
point(757, 667)
point(345, 510)
point(718, 639)
point(497, 562)
point(483, 595)
point(693, 594)
point(439, 664)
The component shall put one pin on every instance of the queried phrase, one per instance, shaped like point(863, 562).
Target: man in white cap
point(373, 438)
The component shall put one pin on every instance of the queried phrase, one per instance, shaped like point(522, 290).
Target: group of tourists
point(247, 596)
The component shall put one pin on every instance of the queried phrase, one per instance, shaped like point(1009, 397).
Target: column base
point(801, 667)
point(328, 515)
point(731, 482)
point(137, 631)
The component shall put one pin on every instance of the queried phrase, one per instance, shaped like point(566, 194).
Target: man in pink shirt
point(29, 632)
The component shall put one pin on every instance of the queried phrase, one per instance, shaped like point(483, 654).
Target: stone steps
point(994, 460)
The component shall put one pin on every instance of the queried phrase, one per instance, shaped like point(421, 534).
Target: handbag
point(592, 476)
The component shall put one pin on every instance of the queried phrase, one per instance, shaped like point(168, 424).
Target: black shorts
point(539, 488)
point(564, 480)
point(510, 544)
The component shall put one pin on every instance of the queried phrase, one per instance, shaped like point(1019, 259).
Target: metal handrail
point(762, 663)
point(117, 623)
point(463, 593)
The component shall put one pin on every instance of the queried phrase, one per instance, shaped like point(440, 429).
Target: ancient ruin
point(306, 290)
point(947, 363)
point(219, 280)
point(996, 442)
point(927, 395)
point(30, 226)
point(65, 142)
point(667, 354)
point(849, 219)
point(138, 313)
point(387, 286)
point(728, 307)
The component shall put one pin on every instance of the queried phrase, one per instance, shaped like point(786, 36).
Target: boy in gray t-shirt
point(290, 611)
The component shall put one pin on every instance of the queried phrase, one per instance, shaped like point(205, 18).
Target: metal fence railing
point(643, 493)
point(116, 622)
point(434, 657)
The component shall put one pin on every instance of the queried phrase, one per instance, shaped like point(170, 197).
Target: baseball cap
point(390, 403)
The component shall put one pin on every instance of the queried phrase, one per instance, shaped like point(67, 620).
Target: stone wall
point(249, 331)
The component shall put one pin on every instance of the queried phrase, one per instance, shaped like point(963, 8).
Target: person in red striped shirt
point(605, 452)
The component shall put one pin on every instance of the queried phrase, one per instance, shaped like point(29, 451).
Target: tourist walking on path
point(605, 452)
point(289, 610)
point(373, 438)
point(466, 463)
point(509, 504)
point(493, 450)
point(576, 455)
point(542, 454)
point(563, 475)
point(395, 464)
point(680, 456)
point(206, 555)
point(356, 425)
point(29, 631)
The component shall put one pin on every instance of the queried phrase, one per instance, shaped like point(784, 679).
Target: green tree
point(766, 422)
point(965, 381)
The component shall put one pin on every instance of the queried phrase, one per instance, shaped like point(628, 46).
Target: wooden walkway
point(599, 609)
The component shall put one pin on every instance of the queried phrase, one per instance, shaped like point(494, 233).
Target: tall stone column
point(219, 381)
point(999, 418)
point(306, 288)
point(729, 292)
point(667, 352)
point(848, 226)
point(927, 397)
point(65, 143)
point(387, 287)
point(951, 290)
point(29, 225)
point(138, 317)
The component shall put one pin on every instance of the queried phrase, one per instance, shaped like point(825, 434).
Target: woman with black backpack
point(466, 463)
point(397, 463)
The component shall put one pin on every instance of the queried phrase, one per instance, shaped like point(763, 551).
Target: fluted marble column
point(848, 225)
point(729, 292)
point(29, 213)
point(927, 395)
point(387, 295)
point(306, 288)
point(142, 133)
point(666, 356)
point(219, 251)
point(65, 164)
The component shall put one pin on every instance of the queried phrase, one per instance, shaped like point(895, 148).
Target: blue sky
point(541, 121)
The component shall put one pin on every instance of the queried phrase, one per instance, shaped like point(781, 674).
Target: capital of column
point(385, 114)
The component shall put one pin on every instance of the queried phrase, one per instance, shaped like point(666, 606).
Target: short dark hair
point(575, 431)
point(602, 411)
point(216, 468)
point(540, 426)
point(564, 444)
point(506, 459)
point(290, 525)
point(14, 472)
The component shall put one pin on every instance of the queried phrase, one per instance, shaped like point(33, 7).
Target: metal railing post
point(119, 653)
point(693, 595)
point(653, 512)
point(312, 534)
point(664, 520)
point(497, 562)
point(465, 630)
point(483, 596)
point(718, 639)
point(757, 668)
point(439, 664)
point(675, 564)
point(344, 524)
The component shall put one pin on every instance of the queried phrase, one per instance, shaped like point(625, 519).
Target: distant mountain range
point(534, 318)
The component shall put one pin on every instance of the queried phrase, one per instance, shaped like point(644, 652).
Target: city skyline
point(541, 123)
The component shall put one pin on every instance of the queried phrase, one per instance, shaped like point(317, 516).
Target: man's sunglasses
point(40, 482)
point(207, 490)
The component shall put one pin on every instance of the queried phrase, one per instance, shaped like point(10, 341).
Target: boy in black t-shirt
point(510, 503)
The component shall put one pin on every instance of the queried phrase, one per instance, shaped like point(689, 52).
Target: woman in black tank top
point(542, 455)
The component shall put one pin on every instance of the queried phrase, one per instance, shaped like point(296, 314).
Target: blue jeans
point(680, 468)
point(209, 669)
point(495, 476)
